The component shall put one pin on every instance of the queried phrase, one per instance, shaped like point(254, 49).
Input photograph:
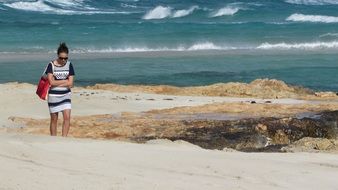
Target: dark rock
point(262, 134)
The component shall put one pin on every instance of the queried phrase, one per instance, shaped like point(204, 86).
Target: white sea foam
point(303, 46)
point(185, 12)
point(313, 2)
point(194, 47)
point(68, 7)
point(41, 5)
point(209, 46)
point(78, 5)
point(312, 18)
point(125, 5)
point(30, 6)
point(225, 11)
point(278, 23)
point(329, 35)
point(256, 4)
point(126, 50)
point(206, 46)
point(159, 12)
point(68, 3)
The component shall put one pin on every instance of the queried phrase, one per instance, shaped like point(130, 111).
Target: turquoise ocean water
point(183, 43)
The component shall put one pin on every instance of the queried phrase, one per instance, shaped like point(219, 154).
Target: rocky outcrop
point(326, 94)
point(251, 134)
point(264, 134)
point(262, 88)
point(259, 88)
point(308, 144)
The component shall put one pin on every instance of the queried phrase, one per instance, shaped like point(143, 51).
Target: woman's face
point(63, 57)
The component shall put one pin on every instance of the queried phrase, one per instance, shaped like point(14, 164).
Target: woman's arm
point(69, 83)
point(55, 83)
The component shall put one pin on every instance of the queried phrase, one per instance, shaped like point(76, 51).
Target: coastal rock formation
point(308, 144)
point(247, 109)
point(251, 134)
point(259, 88)
point(326, 94)
point(263, 88)
point(263, 134)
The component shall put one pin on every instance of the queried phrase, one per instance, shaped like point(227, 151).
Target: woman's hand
point(60, 83)
point(68, 83)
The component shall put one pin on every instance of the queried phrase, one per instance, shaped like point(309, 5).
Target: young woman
point(60, 73)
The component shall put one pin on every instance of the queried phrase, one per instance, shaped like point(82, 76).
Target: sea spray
point(184, 12)
point(159, 12)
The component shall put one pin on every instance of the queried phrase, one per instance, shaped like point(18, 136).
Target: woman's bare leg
point(66, 122)
point(53, 123)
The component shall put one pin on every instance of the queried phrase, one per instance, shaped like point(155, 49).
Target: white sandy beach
point(43, 162)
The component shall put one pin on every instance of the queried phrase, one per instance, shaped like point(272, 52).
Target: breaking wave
point(312, 18)
point(205, 46)
point(68, 7)
point(184, 12)
point(225, 11)
point(161, 12)
point(313, 2)
point(194, 47)
point(303, 46)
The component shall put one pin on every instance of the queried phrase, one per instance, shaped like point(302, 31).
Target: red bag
point(43, 86)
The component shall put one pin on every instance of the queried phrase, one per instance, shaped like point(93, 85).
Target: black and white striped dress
point(59, 98)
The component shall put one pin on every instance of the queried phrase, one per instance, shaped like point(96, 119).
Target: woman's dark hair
point(63, 48)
